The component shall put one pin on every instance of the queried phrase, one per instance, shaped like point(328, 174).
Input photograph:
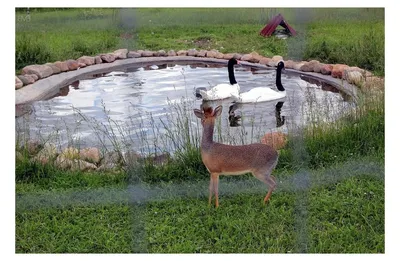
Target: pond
point(150, 109)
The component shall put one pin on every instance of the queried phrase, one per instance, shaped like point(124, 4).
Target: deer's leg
point(211, 188)
point(270, 180)
point(215, 178)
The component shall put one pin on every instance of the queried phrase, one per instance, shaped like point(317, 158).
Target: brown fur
point(221, 159)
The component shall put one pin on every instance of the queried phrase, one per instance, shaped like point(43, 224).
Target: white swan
point(224, 90)
point(261, 94)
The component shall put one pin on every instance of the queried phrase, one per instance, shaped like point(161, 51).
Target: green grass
point(330, 194)
point(52, 35)
point(339, 215)
point(75, 230)
point(329, 42)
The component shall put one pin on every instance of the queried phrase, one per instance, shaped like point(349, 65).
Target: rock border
point(41, 81)
point(38, 82)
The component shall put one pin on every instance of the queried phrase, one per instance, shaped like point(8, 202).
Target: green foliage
point(353, 44)
point(344, 216)
point(335, 37)
point(104, 229)
point(30, 49)
point(28, 171)
point(184, 166)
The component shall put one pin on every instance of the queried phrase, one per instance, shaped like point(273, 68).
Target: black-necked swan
point(261, 94)
point(224, 90)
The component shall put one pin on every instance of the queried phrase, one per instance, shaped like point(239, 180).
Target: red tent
point(269, 29)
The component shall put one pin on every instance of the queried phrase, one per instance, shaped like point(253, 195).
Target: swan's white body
point(260, 94)
point(221, 91)
point(263, 94)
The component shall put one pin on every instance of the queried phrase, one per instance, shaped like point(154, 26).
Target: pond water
point(148, 109)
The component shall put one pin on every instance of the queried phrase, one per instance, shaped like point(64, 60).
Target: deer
point(222, 159)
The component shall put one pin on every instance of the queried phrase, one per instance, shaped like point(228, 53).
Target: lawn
point(330, 196)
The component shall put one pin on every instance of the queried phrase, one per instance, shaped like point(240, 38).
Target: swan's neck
point(232, 79)
point(278, 80)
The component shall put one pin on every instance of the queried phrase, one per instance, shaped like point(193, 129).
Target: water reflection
point(133, 103)
point(234, 118)
point(280, 120)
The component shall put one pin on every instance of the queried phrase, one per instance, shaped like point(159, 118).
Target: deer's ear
point(198, 113)
point(217, 111)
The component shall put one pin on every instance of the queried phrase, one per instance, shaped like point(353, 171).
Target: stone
point(70, 153)
point(354, 77)
point(326, 69)
point(246, 57)
point(298, 65)
point(252, 57)
point(112, 157)
point(162, 53)
point(73, 164)
point(133, 54)
point(237, 56)
point(26, 79)
point(72, 65)
point(192, 52)
point(276, 140)
point(337, 70)
point(159, 159)
point(211, 54)
point(309, 66)
point(97, 60)
point(54, 68)
point(88, 60)
point(228, 56)
point(181, 53)
point(363, 72)
point(318, 67)
point(147, 54)
point(42, 71)
point(202, 53)
point(289, 64)
point(34, 76)
point(264, 60)
point(63, 163)
point(107, 58)
point(131, 157)
point(121, 53)
point(367, 73)
point(47, 154)
point(107, 166)
point(91, 155)
point(275, 60)
point(63, 66)
point(81, 65)
point(171, 53)
point(219, 55)
point(82, 165)
point(33, 147)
